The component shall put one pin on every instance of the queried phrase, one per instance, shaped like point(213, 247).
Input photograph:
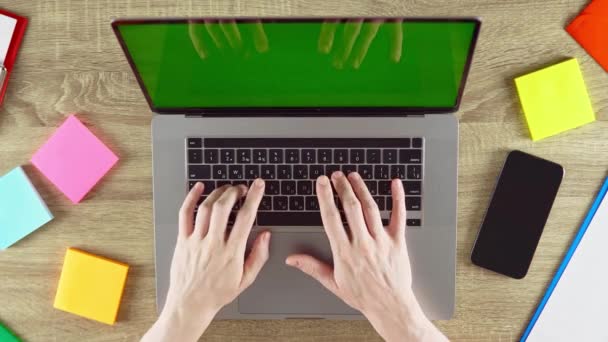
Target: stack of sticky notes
point(22, 210)
point(7, 335)
point(554, 99)
point(590, 30)
point(91, 286)
point(74, 159)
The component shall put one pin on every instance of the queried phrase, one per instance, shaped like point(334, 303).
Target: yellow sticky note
point(91, 286)
point(554, 99)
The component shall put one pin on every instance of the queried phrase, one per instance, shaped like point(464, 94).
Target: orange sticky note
point(590, 30)
point(91, 286)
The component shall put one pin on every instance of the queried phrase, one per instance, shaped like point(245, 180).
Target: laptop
point(289, 100)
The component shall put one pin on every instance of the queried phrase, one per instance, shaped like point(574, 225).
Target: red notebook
point(11, 54)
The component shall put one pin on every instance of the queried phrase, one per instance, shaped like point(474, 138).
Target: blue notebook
point(575, 304)
point(22, 210)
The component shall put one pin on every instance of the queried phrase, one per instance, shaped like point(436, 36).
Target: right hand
point(371, 269)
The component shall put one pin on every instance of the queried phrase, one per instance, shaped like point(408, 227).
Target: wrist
point(177, 323)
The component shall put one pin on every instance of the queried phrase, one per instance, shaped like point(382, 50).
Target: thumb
point(256, 259)
point(315, 268)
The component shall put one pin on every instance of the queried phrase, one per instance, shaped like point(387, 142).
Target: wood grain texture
point(70, 62)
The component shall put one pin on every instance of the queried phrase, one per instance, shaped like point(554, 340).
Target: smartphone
point(517, 214)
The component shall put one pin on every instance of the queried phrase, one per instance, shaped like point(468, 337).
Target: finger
point(330, 215)
point(256, 259)
point(203, 217)
point(396, 226)
point(246, 216)
point(352, 29)
point(196, 36)
point(397, 41)
point(317, 269)
point(221, 209)
point(186, 212)
point(232, 34)
point(370, 30)
point(326, 36)
point(259, 37)
point(215, 32)
point(370, 207)
point(352, 207)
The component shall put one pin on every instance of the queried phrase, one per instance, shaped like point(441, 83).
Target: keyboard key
point(227, 156)
point(288, 188)
point(235, 171)
point(309, 156)
point(316, 171)
point(389, 203)
point(412, 187)
point(349, 168)
point(243, 156)
point(268, 172)
point(380, 202)
point(278, 203)
point(413, 203)
point(414, 171)
point(398, 171)
point(304, 187)
point(410, 156)
point(324, 156)
point(276, 156)
point(417, 142)
point(357, 156)
point(260, 156)
point(195, 156)
point(219, 172)
point(199, 202)
point(312, 203)
point(266, 203)
point(195, 142)
point(381, 172)
point(341, 156)
point(252, 171)
point(191, 185)
point(413, 222)
point(389, 156)
point(272, 188)
point(372, 186)
point(241, 182)
point(209, 187)
point(373, 156)
point(296, 203)
point(292, 156)
point(366, 171)
point(284, 172)
point(300, 171)
point(384, 187)
point(329, 169)
point(301, 218)
point(222, 183)
point(211, 156)
point(307, 142)
point(199, 171)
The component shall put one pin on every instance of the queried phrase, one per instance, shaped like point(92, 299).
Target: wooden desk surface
point(70, 62)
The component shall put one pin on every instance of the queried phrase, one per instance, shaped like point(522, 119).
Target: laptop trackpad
point(281, 289)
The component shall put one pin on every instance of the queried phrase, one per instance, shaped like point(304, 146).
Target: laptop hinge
point(409, 115)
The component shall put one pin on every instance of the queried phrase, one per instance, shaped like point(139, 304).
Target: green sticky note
point(554, 99)
point(7, 336)
point(22, 210)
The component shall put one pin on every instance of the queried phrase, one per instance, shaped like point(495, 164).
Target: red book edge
point(11, 54)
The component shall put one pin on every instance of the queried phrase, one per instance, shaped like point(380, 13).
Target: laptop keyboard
point(290, 167)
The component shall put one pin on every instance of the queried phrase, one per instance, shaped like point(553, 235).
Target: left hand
point(209, 269)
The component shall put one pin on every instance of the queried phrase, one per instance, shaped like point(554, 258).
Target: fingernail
point(259, 182)
point(198, 184)
point(337, 174)
point(354, 175)
point(291, 262)
point(323, 180)
point(266, 236)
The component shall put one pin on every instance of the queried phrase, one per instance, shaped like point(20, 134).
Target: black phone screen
point(517, 214)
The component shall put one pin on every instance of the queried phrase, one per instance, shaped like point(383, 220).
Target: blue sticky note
point(22, 210)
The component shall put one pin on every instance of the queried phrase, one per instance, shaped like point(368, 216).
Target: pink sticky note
point(74, 159)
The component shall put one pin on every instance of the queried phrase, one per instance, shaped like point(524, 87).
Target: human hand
point(209, 269)
point(371, 269)
point(356, 40)
point(225, 34)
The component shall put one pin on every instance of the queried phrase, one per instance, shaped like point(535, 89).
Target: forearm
point(177, 325)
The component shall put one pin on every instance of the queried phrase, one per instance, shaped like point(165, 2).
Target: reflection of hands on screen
point(225, 34)
point(357, 38)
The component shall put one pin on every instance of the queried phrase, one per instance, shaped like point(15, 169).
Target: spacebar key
point(289, 219)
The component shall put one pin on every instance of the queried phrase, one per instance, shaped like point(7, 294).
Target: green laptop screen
point(294, 64)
